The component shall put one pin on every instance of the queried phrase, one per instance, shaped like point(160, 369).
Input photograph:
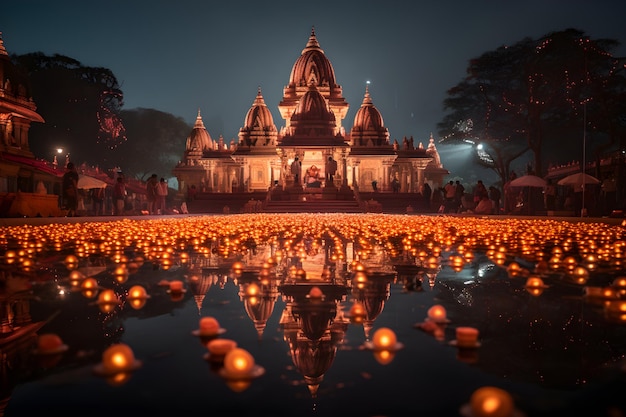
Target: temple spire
point(312, 43)
point(3, 51)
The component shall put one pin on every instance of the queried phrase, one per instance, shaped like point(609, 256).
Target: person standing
point(549, 195)
point(449, 193)
point(119, 196)
point(151, 193)
point(161, 196)
point(296, 169)
point(495, 196)
point(97, 197)
point(70, 189)
point(331, 170)
point(459, 191)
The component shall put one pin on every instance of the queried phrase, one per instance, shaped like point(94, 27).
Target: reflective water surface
point(286, 289)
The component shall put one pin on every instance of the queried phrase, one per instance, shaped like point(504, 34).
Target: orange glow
point(437, 313)
point(221, 347)
point(209, 326)
point(238, 363)
point(491, 402)
point(118, 358)
point(137, 292)
point(466, 336)
point(384, 338)
point(108, 296)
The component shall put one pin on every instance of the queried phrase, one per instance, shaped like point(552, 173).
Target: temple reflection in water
point(304, 295)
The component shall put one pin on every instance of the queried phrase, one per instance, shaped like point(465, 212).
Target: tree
point(156, 142)
point(528, 98)
point(80, 105)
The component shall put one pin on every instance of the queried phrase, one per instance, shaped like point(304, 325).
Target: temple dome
point(313, 112)
point(199, 139)
point(368, 118)
point(259, 116)
point(312, 65)
point(369, 130)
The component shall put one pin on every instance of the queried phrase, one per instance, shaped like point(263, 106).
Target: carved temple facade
point(313, 109)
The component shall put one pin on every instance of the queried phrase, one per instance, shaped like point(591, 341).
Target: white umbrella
point(528, 181)
point(577, 180)
point(86, 182)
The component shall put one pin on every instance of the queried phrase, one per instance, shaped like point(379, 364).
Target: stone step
point(316, 206)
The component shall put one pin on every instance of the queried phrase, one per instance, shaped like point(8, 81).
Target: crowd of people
point(114, 200)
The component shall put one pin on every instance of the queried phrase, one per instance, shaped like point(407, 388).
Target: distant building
point(313, 109)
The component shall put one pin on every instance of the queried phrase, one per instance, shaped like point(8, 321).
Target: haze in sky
point(181, 56)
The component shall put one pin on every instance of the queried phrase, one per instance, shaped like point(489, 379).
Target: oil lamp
point(466, 337)
point(50, 343)
point(490, 402)
point(239, 364)
point(437, 313)
point(218, 348)
point(208, 326)
point(117, 358)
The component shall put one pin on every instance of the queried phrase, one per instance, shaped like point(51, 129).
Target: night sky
point(183, 55)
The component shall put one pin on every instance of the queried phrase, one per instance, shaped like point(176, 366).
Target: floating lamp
point(137, 292)
point(50, 344)
point(89, 287)
point(490, 402)
point(218, 348)
point(120, 274)
point(208, 326)
point(437, 313)
point(176, 287)
point(239, 364)
point(466, 338)
point(137, 297)
point(579, 275)
point(117, 358)
point(535, 285)
point(71, 262)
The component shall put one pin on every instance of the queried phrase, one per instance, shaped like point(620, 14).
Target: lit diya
point(176, 287)
point(535, 285)
point(208, 327)
point(239, 365)
point(116, 359)
point(218, 348)
point(437, 313)
point(466, 338)
point(384, 339)
point(50, 344)
point(490, 402)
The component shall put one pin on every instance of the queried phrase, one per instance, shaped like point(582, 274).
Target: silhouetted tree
point(80, 105)
point(156, 142)
point(531, 97)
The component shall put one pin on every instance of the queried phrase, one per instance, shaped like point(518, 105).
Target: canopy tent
point(528, 181)
point(578, 179)
point(86, 182)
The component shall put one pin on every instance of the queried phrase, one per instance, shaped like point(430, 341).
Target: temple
point(331, 163)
